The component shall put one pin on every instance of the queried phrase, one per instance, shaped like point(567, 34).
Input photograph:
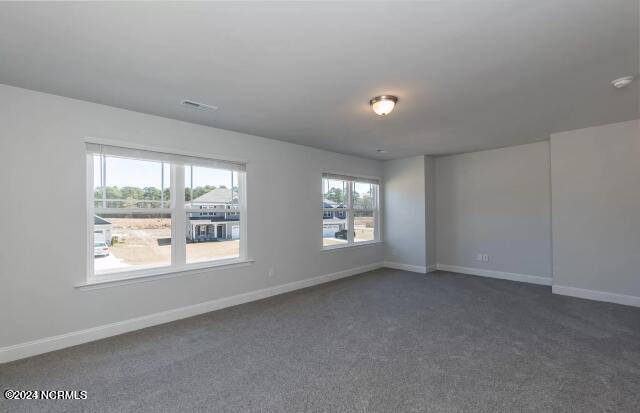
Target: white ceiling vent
point(198, 106)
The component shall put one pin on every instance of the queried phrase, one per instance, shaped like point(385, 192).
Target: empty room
point(318, 206)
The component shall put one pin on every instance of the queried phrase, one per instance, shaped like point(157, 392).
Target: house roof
point(100, 221)
point(218, 195)
point(235, 218)
point(326, 203)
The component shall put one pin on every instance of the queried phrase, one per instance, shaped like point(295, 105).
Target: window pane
point(128, 242)
point(131, 183)
point(364, 196)
point(334, 227)
point(334, 193)
point(212, 236)
point(364, 226)
point(209, 186)
point(213, 230)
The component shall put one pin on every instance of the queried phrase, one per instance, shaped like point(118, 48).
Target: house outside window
point(151, 212)
point(350, 211)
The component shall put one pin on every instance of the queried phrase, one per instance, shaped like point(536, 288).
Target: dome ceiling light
point(622, 82)
point(383, 104)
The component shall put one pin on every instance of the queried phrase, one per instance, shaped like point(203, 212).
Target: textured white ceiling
point(470, 75)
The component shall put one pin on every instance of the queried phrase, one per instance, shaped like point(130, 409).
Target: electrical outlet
point(271, 272)
point(485, 257)
point(478, 257)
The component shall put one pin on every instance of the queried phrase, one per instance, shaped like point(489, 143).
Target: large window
point(152, 212)
point(349, 210)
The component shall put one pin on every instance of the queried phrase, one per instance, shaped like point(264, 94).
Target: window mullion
point(178, 217)
point(190, 182)
point(162, 185)
point(350, 219)
point(376, 212)
point(103, 179)
point(242, 199)
point(90, 212)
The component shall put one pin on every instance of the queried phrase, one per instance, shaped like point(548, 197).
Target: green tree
point(151, 193)
point(113, 192)
point(336, 195)
point(131, 195)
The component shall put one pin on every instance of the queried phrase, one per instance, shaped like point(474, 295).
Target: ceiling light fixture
point(622, 82)
point(381, 150)
point(383, 104)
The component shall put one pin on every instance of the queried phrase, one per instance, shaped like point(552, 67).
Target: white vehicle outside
point(100, 249)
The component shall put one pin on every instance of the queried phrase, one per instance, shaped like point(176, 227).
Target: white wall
point(404, 212)
point(42, 173)
point(430, 210)
point(596, 212)
point(496, 202)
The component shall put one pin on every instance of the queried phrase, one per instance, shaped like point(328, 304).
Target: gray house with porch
point(334, 218)
point(218, 217)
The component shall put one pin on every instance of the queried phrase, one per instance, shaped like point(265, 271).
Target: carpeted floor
point(385, 341)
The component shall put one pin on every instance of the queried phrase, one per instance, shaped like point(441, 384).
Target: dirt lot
point(364, 228)
point(364, 234)
point(147, 242)
point(205, 251)
point(361, 234)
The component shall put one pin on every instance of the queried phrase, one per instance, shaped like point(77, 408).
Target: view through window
point(213, 217)
point(139, 223)
point(349, 210)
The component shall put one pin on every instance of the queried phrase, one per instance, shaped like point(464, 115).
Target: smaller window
point(349, 210)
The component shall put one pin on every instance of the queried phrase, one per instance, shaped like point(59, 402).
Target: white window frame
point(351, 180)
point(176, 210)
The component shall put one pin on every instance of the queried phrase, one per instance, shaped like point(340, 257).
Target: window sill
point(351, 246)
point(114, 280)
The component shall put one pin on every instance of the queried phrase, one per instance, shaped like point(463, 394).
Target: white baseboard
point(533, 279)
point(45, 345)
point(407, 267)
point(597, 295)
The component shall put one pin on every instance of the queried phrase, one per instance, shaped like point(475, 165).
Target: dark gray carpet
point(385, 341)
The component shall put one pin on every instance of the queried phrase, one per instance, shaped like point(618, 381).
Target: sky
point(360, 187)
point(133, 172)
